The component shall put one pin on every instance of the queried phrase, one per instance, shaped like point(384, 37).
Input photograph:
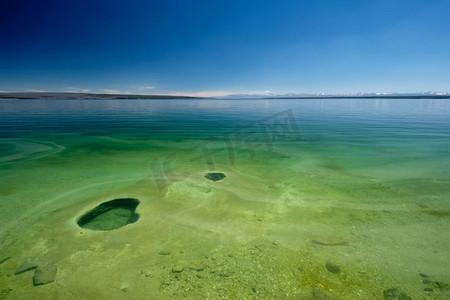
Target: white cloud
point(263, 93)
point(77, 90)
point(108, 91)
point(115, 92)
point(221, 93)
point(143, 88)
point(202, 94)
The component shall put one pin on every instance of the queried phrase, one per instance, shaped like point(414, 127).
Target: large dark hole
point(110, 215)
point(215, 176)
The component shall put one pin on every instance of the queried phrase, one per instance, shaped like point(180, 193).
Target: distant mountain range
point(66, 96)
point(348, 95)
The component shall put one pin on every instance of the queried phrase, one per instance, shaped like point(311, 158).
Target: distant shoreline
point(86, 96)
point(81, 96)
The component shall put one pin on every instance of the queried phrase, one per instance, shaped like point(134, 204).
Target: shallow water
point(361, 184)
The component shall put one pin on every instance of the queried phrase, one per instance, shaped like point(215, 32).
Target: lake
point(314, 198)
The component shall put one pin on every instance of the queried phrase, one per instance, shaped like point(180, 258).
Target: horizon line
point(93, 96)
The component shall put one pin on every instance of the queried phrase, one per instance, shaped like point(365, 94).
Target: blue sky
point(218, 47)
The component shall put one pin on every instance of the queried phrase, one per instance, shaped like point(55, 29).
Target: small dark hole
point(215, 176)
point(110, 215)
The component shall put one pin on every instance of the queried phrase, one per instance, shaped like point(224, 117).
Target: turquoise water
point(358, 183)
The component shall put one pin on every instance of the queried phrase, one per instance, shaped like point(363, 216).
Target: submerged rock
point(215, 176)
point(395, 294)
point(27, 265)
point(332, 268)
point(177, 269)
point(110, 215)
point(124, 287)
point(199, 267)
point(441, 285)
point(148, 274)
point(44, 274)
point(426, 281)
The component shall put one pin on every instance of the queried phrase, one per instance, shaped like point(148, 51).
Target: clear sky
point(217, 47)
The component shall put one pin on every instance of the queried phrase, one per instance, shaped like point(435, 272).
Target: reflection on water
point(319, 198)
